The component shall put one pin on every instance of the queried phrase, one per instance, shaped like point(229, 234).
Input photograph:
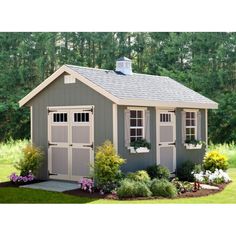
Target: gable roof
point(136, 89)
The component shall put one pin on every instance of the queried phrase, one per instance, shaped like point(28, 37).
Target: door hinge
point(172, 143)
point(51, 173)
point(52, 144)
point(90, 146)
point(172, 111)
point(51, 111)
point(91, 110)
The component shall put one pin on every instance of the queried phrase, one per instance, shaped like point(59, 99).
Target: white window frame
point(190, 127)
point(143, 109)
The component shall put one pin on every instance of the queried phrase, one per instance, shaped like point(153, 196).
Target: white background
point(120, 15)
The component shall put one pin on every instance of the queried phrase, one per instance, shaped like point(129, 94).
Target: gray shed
point(78, 108)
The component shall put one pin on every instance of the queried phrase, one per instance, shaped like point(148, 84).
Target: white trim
point(137, 108)
point(143, 127)
point(161, 104)
point(158, 159)
point(115, 126)
point(192, 126)
point(70, 107)
point(191, 110)
point(31, 124)
point(206, 126)
point(127, 102)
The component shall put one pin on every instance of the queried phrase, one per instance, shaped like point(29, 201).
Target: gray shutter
point(147, 125)
point(127, 128)
point(183, 119)
point(199, 137)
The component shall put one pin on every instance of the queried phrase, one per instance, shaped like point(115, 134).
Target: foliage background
point(205, 62)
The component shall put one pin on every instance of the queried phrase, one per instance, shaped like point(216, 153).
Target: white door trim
point(158, 112)
point(69, 110)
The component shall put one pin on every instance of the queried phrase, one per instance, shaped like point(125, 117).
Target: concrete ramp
point(52, 185)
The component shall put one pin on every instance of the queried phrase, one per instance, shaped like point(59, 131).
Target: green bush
point(140, 175)
point(184, 172)
point(214, 160)
point(31, 161)
point(131, 188)
point(163, 188)
point(107, 167)
point(158, 171)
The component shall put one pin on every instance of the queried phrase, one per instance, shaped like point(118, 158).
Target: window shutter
point(147, 125)
point(183, 119)
point(127, 128)
point(199, 126)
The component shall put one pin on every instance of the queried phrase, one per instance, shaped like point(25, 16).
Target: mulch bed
point(199, 193)
point(81, 193)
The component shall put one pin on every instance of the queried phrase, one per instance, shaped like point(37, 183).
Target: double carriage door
point(70, 142)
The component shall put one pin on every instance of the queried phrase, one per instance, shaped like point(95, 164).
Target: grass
point(227, 149)
point(10, 152)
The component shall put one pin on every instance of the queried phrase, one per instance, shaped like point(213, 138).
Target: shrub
point(131, 188)
point(158, 171)
point(184, 172)
point(107, 167)
point(163, 188)
point(31, 161)
point(214, 160)
point(140, 175)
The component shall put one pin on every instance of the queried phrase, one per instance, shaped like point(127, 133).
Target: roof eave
point(139, 102)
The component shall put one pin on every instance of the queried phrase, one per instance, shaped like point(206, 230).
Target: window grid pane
point(136, 125)
point(190, 126)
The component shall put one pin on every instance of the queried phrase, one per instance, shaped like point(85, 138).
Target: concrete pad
point(206, 186)
point(52, 185)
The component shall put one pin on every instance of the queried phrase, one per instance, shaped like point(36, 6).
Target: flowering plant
point(18, 178)
point(216, 177)
point(86, 184)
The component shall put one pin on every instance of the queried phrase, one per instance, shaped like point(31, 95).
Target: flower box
point(139, 150)
point(192, 146)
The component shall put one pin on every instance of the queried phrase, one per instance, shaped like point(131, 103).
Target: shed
point(78, 108)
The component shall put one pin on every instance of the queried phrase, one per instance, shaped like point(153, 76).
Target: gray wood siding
point(183, 154)
point(60, 94)
point(142, 160)
point(137, 161)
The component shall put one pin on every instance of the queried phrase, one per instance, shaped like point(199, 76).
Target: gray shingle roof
point(141, 86)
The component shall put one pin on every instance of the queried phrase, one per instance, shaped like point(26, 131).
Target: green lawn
point(18, 195)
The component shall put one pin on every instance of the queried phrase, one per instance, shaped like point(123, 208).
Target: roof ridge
point(134, 73)
point(91, 68)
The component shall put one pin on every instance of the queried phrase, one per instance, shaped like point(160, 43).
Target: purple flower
point(25, 179)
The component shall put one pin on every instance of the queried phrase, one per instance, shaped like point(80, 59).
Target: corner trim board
point(115, 126)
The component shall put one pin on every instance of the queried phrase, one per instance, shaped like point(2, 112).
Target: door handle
point(71, 145)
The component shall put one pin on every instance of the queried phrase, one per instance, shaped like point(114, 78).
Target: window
point(69, 79)
point(81, 117)
point(165, 118)
point(59, 117)
point(191, 126)
point(136, 125)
